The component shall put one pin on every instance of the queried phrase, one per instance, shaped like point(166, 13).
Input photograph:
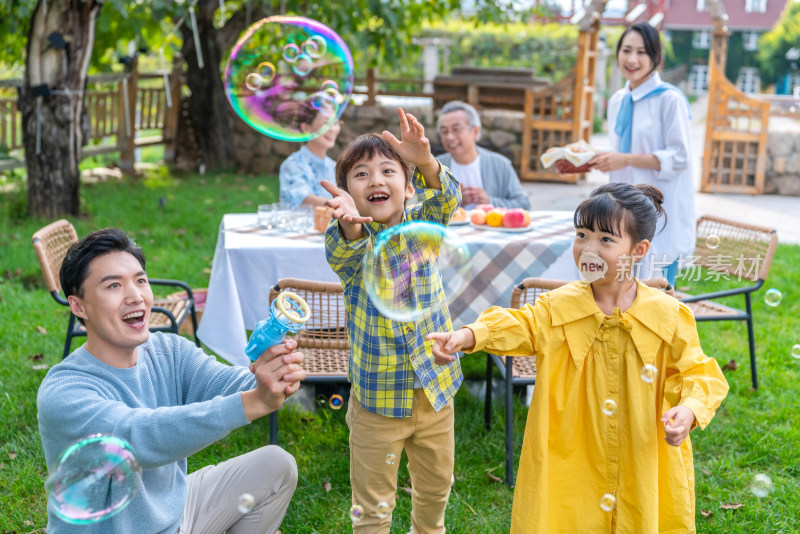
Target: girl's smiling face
point(605, 256)
point(634, 61)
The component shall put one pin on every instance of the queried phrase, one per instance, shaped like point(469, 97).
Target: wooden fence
point(125, 111)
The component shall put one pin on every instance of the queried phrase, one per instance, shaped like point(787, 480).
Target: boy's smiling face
point(379, 189)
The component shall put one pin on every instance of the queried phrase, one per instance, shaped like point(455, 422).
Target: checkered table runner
point(501, 260)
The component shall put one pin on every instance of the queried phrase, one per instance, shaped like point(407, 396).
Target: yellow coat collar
point(651, 319)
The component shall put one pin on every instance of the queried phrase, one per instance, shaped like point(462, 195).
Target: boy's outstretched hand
point(445, 344)
point(678, 422)
point(345, 210)
point(414, 147)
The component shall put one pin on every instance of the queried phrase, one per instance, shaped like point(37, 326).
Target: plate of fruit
point(487, 217)
point(459, 218)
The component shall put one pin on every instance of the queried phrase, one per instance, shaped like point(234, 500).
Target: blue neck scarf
point(624, 124)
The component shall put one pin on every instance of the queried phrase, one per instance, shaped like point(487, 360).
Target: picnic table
point(249, 260)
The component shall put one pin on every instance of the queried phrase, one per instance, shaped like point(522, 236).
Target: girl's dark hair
point(75, 267)
point(365, 147)
point(617, 208)
point(651, 38)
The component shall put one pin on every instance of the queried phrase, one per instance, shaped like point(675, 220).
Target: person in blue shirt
point(302, 172)
point(165, 397)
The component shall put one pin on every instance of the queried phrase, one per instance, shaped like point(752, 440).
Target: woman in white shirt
point(651, 143)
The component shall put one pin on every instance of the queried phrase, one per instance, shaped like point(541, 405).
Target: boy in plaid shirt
point(399, 398)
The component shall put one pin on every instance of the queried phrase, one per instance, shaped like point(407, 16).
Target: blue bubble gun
point(287, 313)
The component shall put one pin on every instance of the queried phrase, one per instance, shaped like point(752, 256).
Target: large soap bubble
point(93, 479)
point(407, 261)
point(289, 77)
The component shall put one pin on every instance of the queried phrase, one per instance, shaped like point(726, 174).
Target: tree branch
point(228, 34)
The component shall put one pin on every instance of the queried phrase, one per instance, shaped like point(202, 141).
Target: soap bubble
point(607, 502)
point(267, 72)
point(772, 297)
point(796, 351)
point(761, 485)
point(323, 102)
point(390, 458)
point(409, 258)
point(290, 52)
point(302, 65)
point(649, 373)
point(609, 407)
point(712, 241)
point(275, 70)
point(246, 502)
point(383, 509)
point(336, 402)
point(315, 46)
point(356, 513)
point(253, 81)
point(93, 479)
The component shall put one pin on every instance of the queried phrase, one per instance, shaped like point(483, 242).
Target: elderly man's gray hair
point(457, 105)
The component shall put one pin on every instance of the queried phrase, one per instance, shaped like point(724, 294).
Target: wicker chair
point(750, 250)
point(323, 339)
point(51, 243)
point(523, 370)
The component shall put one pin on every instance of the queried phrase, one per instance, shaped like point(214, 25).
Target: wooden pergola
point(735, 151)
point(563, 112)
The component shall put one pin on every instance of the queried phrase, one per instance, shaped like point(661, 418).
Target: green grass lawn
point(176, 221)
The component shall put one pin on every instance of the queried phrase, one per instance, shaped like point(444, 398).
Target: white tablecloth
point(248, 261)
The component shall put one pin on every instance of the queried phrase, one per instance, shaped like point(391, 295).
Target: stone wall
point(782, 175)
point(257, 153)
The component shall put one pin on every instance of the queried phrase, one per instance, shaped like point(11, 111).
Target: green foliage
point(380, 30)
point(548, 49)
point(774, 44)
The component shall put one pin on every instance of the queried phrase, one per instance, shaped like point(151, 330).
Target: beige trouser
point(429, 442)
point(269, 474)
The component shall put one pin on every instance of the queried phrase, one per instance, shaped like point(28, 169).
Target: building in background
point(687, 26)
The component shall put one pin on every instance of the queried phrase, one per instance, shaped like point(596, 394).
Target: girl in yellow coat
point(621, 380)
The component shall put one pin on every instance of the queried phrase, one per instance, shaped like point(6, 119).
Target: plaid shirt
point(385, 354)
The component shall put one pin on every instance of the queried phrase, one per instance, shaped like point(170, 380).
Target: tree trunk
point(207, 135)
point(52, 132)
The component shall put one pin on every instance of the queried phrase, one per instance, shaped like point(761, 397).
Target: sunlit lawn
point(176, 222)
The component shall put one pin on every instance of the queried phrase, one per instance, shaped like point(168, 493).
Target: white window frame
point(749, 80)
point(755, 6)
point(795, 87)
point(698, 79)
point(750, 40)
point(701, 40)
point(701, 5)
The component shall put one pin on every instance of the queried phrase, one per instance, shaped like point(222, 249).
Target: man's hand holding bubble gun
point(277, 368)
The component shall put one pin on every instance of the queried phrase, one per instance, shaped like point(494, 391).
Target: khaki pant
point(269, 474)
point(429, 442)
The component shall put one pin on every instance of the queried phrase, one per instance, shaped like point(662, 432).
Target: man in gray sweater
point(168, 399)
point(486, 177)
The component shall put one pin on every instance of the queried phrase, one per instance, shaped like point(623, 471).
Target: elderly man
point(486, 177)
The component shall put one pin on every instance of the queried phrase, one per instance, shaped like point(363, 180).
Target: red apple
point(477, 217)
point(485, 207)
point(514, 218)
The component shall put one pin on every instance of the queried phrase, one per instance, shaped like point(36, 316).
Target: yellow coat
point(573, 453)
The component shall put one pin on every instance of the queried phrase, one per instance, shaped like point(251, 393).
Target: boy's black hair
point(651, 38)
point(365, 147)
point(619, 208)
point(75, 267)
